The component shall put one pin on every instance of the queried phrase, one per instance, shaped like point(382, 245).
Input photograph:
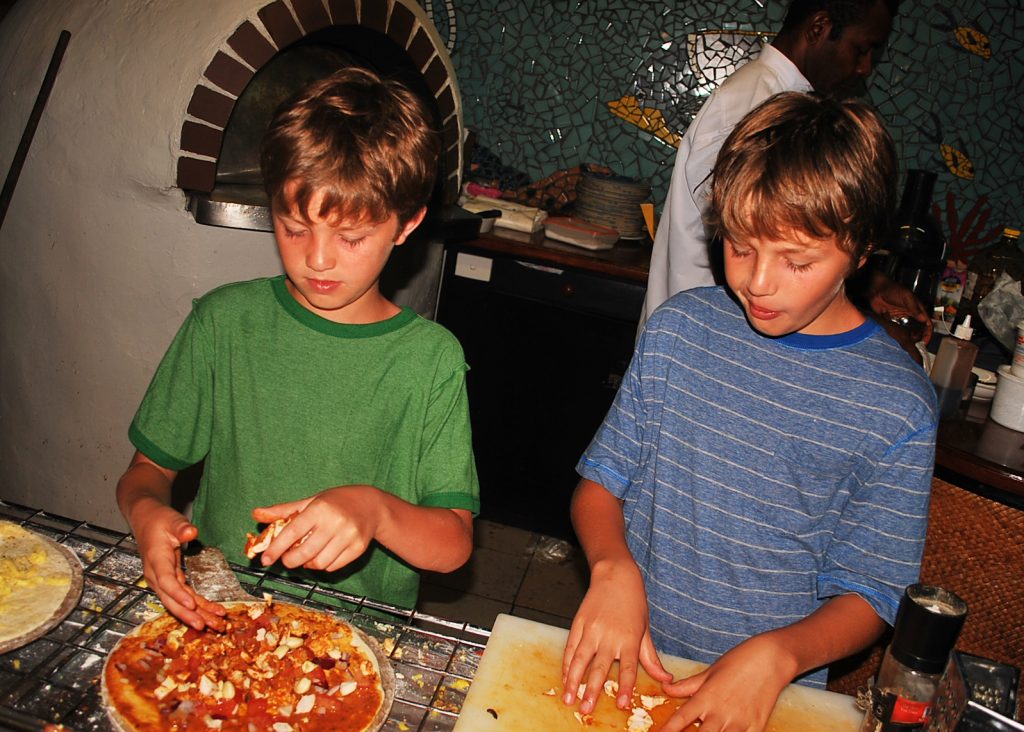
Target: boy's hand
point(611, 624)
point(328, 531)
point(160, 535)
point(737, 693)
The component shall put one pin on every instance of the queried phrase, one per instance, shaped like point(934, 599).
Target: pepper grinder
point(928, 623)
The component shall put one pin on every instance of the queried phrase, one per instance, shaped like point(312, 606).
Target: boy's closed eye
point(795, 263)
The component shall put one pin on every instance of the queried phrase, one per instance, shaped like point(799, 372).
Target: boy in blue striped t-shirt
point(757, 496)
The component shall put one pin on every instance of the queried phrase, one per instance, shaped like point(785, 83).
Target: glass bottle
point(986, 266)
point(927, 625)
point(916, 246)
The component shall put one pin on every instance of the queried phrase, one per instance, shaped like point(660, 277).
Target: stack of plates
point(613, 201)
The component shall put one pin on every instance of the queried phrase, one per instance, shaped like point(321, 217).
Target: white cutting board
point(523, 660)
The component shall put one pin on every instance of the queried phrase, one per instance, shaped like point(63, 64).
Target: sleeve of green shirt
point(447, 470)
point(172, 426)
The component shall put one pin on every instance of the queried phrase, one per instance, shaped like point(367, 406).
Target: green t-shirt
point(281, 404)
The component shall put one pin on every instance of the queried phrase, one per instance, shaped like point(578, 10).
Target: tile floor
point(512, 571)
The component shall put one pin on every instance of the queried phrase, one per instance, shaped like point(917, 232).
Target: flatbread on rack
point(277, 667)
point(40, 583)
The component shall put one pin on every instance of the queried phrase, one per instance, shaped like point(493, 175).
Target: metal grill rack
point(55, 679)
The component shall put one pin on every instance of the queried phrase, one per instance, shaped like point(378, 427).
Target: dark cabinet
point(547, 345)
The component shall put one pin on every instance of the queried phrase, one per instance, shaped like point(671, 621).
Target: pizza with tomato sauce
point(277, 667)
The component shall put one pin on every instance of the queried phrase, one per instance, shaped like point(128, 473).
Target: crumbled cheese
point(206, 685)
point(165, 688)
point(611, 688)
point(639, 721)
point(650, 702)
point(305, 704)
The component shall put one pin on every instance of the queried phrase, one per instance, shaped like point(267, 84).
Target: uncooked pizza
point(278, 667)
point(39, 584)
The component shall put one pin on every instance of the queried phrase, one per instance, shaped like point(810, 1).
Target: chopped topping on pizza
point(276, 666)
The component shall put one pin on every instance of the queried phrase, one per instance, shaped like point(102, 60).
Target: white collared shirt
point(679, 259)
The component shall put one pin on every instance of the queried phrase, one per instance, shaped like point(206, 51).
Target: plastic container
point(1017, 365)
point(1008, 402)
point(952, 369)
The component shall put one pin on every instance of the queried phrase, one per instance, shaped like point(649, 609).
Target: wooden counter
point(626, 260)
point(981, 455)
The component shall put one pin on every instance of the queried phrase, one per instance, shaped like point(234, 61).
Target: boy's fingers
point(684, 687)
point(266, 514)
point(651, 662)
point(185, 532)
point(627, 681)
point(574, 675)
point(293, 547)
point(595, 683)
point(571, 644)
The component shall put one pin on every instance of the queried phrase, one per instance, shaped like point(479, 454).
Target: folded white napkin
point(514, 216)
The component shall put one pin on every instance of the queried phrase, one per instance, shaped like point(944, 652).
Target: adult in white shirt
point(828, 46)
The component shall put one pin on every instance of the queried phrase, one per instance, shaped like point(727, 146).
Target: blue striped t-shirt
point(761, 476)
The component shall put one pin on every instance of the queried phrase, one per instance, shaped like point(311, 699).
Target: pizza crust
point(360, 642)
point(40, 583)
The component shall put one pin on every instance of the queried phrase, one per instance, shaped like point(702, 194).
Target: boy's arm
point(612, 622)
point(339, 523)
point(739, 690)
point(144, 497)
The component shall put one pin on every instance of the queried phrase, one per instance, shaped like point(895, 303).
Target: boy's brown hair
point(366, 142)
point(801, 162)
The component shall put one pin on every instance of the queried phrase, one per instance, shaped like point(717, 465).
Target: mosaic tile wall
point(551, 84)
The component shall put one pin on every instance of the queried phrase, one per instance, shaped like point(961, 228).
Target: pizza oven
point(151, 131)
point(263, 61)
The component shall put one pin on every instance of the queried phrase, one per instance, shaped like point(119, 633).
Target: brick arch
point(283, 23)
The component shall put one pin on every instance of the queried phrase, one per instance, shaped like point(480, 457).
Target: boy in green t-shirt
point(310, 394)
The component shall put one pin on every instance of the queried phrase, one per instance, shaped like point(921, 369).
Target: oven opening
point(238, 199)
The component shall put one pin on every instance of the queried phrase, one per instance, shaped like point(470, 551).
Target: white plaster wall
point(99, 260)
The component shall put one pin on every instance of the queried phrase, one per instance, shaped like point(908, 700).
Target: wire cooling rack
point(54, 680)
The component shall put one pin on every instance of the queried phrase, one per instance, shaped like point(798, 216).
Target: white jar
point(1008, 402)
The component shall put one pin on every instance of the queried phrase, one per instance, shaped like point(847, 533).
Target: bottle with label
point(985, 268)
point(927, 625)
point(951, 370)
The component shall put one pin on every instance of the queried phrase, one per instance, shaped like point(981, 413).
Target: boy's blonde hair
point(365, 142)
point(801, 162)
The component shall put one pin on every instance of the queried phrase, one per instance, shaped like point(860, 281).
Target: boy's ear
point(410, 226)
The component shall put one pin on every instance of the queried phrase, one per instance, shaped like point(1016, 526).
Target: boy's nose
point(761, 282)
point(319, 257)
